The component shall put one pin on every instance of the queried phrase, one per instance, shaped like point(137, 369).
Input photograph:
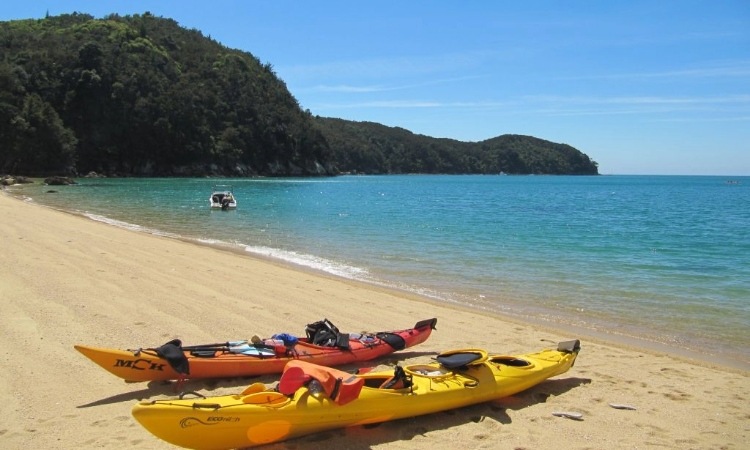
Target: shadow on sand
point(369, 436)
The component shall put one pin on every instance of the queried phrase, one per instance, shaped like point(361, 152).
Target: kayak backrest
point(399, 380)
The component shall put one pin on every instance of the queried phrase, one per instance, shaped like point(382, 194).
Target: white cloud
point(724, 69)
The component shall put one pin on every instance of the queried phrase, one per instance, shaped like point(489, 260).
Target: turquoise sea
point(662, 261)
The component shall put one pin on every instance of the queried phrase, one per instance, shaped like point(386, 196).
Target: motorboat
point(222, 197)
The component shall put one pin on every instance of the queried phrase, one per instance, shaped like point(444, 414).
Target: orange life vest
point(340, 386)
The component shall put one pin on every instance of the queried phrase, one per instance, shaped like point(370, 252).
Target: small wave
point(210, 241)
point(127, 225)
point(291, 181)
point(314, 262)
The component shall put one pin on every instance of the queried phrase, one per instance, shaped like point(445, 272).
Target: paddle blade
point(253, 388)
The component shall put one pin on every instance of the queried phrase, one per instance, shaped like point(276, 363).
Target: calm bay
point(657, 260)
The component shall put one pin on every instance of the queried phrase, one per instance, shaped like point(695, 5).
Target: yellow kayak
point(311, 398)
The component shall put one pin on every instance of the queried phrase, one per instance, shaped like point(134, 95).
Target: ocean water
point(660, 260)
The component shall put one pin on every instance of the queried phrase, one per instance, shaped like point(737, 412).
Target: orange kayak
point(323, 345)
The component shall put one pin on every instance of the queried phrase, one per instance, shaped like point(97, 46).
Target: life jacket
point(341, 387)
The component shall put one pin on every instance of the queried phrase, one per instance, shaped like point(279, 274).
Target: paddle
point(254, 347)
point(254, 388)
point(216, 346)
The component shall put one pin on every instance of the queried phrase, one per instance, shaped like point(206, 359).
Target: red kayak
point(323, 345)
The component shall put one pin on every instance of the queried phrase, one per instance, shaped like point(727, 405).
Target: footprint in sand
point(669, 370)
point(678, 396)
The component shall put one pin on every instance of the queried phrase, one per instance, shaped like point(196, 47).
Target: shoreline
point(69, 280)
point(625, 341)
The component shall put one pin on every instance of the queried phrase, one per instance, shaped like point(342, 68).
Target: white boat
point(222, 197)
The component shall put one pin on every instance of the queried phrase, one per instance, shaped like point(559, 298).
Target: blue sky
point(642, 87)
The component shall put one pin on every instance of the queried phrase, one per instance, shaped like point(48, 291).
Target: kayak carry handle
point(197, 394)
point(213, 406)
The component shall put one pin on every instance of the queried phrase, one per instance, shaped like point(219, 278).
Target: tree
point(42, 135)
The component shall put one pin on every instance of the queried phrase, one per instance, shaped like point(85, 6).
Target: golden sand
point(68, 280)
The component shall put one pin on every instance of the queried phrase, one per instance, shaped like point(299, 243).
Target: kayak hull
point(261, 416)
point(148, 365)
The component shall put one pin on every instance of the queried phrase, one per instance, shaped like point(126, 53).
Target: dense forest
point(373, 148)
point(141, 96)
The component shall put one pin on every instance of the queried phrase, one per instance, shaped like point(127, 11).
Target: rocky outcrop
point(10, 180)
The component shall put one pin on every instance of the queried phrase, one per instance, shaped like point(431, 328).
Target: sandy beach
point(68, 280)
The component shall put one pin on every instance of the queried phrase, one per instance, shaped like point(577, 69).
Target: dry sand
point(67, 280)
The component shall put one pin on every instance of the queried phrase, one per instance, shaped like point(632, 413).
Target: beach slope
point(69, 280)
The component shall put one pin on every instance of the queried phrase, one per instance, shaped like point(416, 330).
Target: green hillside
point(141, 96)
point(373, 148)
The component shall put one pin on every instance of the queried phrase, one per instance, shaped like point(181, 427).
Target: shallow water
point(660, 259)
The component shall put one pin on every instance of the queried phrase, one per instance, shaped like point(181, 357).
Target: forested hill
point(374, 148)
point(141, 96)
